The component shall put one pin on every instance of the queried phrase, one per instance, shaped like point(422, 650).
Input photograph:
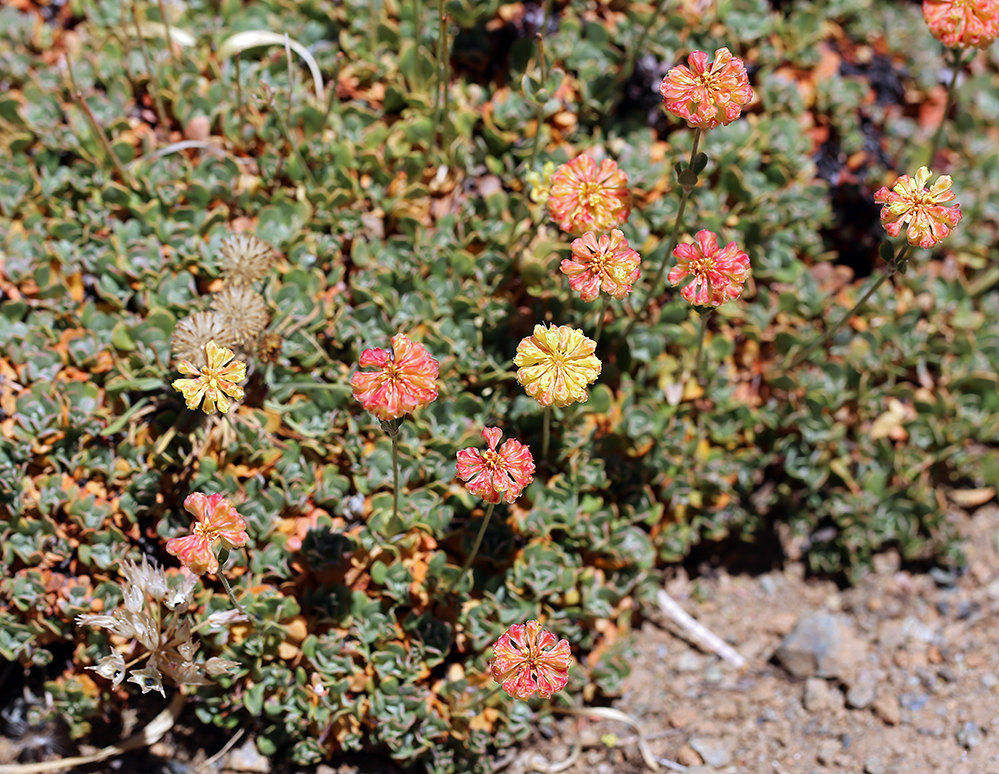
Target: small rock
point(861, 692)
point(913, 701)
point(873, 765)
point(700, 770)
point(990, 680)
point(713, 674)
point(769, 585)
point(886, 708)
point(915, 630)
point(821, 645)
point(781, 623)
point(727, 710)
point(198, 128)
point(969, 735)
point(247, 758)
point(816, 694)
point(688, 757)
point(682, 716)
point(689, 662)
point(715, 752)
point(827, 751)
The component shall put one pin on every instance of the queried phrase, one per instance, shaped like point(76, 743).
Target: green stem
point(446, 66)
point(951, 94)
point(373, 8)
point(672, 242)
point(700, 340)
point(291, 77)
point(395, 477)
point(96, 127)
point(239, 100)
point(223, 558)
point(475, 549)
point(600, 319)
point(294, 147)
point(417, 36)
point(539, 118)
point(892, 269)
point(546, 432)
point(153, 87)
point(440, 68)
point(166, 27)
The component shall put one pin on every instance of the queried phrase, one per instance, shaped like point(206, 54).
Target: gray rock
point(827, 751)
point(915, 630)
point(701, 770)
point(817, 696)
point(861, 692)
point(715, 751)
point(989, 680)
point(689, 662)
point(247, 758)
point(969, 735)
point(913, 701)
point(873, 765)
point(821, 645)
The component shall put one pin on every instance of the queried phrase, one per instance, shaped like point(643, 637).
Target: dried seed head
point(194, 332)
point(243, 311)
point(244, 258)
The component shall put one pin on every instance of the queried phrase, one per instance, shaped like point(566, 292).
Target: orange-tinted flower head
point(963, 23)
point(926, 210)
point(216, 520)
point(528, 658)
point(585, 197)
point(707, 96)
point(403, 382)
point(602, 263)
point(495, 475)
point(718, 274)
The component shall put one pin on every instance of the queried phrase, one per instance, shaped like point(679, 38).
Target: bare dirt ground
point(897, 675)
point(906, 680)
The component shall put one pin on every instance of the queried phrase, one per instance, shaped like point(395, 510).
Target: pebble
point(990, 680)
point(827, 751)
point(819, 646)
point(969, 735)
point(862, 690)
point(247, 758)
point(198, 128)
point(688, 757)
point(816, 694)
point(689, 662)
point(886, 708)
point(913, 701)
point(715, 752)
point(873, 765)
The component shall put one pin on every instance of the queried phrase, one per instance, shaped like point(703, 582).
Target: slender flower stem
point(96, 127)
point(283, 126)
point(291, 77)
point(417, 37)
point(446, 80)
point(651, 292)
point(951, 93)
point(153, 87)
point(223, 558)
point(705, 316)
point(539, 118)
point(600, 319)
point(546, 432)
point(166, 28)
point(440, 67)
point(239, 97)
point(475, 549)
point(395, 477)
point(892, 269)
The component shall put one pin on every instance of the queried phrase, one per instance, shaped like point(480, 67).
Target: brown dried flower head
point(194, 332)
point(244, 258)
point(269, 347)
point(243, 311)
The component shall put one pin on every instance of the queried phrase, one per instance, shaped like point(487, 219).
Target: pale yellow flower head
point(555, 364)
point(213, 382)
